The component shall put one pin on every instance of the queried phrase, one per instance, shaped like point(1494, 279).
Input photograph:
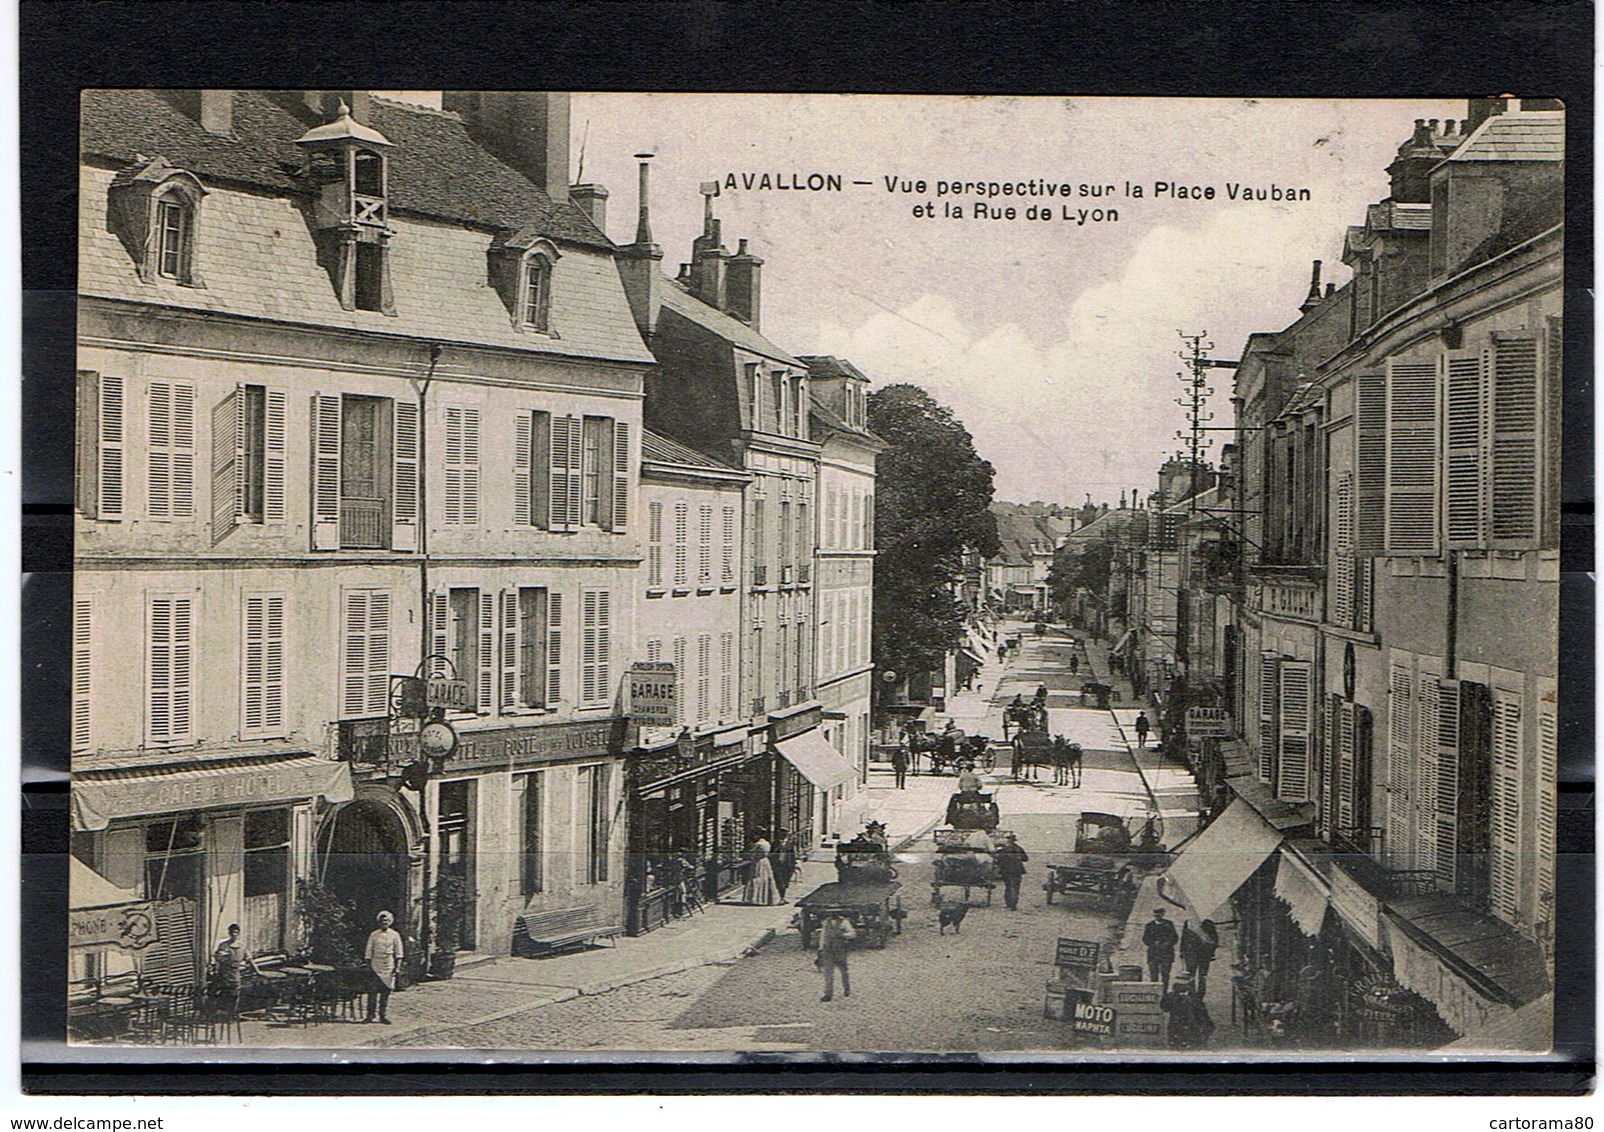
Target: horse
point(1066, 762)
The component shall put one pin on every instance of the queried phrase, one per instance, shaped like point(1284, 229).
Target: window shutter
point(378, 672)
point(1553, 398)
point(262, 682)
point(728, 574)
point(682, 683)
point(1370, 462)
point(1517, 475)
point(1400, 746)
point(171, 453)
point(726, 675)
point(704, 545)
point(654, 544)
point(228, 464)
point(325, 471)
point(620, 516)
point(682, 523)
point(1446, 825)
point(704, 672)
point(462, 466)
point(554, 648)
point(353, 694)
point(1412, 463)
point(1547, 801)
point(487, 652)
point(511, 627)
point(576, 477)
point(1506, 804)
point(1342, 555)
point(1269, 689)
point(169, 669)
point(561, 431)
point(1296, 731)
point(366, 688)
point(604, 645)
point(405, 447)
point(83, 612)
point(595, 631)
point(654, 649)
point(439, 616)
point(109, 494)
point(1347, 766)
point(86, 486)
point(1464, 452)
point(523, 461)
point(274, 439)
point(1428, 728)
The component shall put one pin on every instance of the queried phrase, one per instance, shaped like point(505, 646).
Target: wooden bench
point(546, 933)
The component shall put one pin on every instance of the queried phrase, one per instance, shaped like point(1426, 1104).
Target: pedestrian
point(1197, 952)
point(1190, 1024)
point(1074, 664)
point(384, 954)
point(1011, 857)
point(1142, 728)
point(228, 965)
point(835, 937)
point(784, 862)
point(899, 765)
point(760, 887)
point(1159, 938)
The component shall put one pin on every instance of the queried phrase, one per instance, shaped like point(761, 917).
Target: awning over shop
point(1122, 642)
point(1221, 858)
point(1530, 1029)
point(88, 889)
point(969, 660)
point(1475, 969)
point(1305, 896)
point(816, 760)
point(101, 798)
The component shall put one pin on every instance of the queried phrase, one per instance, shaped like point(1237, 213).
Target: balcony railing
point(362, 525)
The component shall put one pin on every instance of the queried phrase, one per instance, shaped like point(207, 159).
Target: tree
point(932, 503)
point(1076, 567)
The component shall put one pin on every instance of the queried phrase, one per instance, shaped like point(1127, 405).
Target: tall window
point(760, 569)
point(682, 534)
point(462, 633)
point(654, 545)
point(704, 672)
point(596, 686)
point(262, 665)
point(728, 573)
point(171, 458)
point(535, 308)
point(174, 228)
point(594, 783)
point(169, 667)
point(365, 653)
point(726, 675)
point(570, 472)
point(267, 879)
point(527, 657)
point(533, 833)
point(704, 545)
point(364, 473)
point(462, 466)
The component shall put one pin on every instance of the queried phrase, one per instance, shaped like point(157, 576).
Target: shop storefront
point(809, 777)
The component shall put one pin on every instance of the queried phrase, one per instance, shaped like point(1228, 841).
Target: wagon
point(874, 908)
point(959, 866)
point(972, 811)
point(1091, 873)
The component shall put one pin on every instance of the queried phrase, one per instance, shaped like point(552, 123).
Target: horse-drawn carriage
point(865, 891)
point(1034, 749)
point(971, 811)
point(960, 863)
point(957, 752)
point(1094, 694)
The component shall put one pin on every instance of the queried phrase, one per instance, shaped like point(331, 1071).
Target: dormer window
point(522, 267)
point(155, 211)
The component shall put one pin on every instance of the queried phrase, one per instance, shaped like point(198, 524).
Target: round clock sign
point(437, 739)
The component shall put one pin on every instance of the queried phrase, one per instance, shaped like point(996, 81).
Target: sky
point(1054, 342)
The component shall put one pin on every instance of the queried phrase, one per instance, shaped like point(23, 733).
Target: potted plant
point(450, 900)
point(327, 926)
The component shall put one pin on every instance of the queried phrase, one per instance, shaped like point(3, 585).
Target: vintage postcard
point(705, 575)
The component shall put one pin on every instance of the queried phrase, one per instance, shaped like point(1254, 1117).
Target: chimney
point(1313, 298)
point(217, 112)
point(638, 263)
point(708, 255)
point(1331, 289)
point(744, 283)
point(1482, 109)
point(526, 129)
point(592, 200)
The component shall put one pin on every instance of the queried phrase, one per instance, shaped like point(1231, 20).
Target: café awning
point(817, 761)
point(86, 888)
point(1304, 894)
point(1221, 858)
point(102, 797)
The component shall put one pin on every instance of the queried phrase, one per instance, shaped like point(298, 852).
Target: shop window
point(597, 800)
point(533, 866)
point(174, 855)
point(267, 879)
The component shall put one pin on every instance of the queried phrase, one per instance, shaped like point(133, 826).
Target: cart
point(874, 908)
point(1100, 876)
point(973, 811)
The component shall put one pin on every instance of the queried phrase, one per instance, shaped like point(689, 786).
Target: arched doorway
point(363, 865)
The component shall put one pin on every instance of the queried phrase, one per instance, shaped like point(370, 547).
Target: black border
point(1250, 48)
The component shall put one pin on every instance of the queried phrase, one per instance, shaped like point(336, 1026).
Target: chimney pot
point(1433, 124)
point(217, 112)
point(592, 200)
point(643, 226)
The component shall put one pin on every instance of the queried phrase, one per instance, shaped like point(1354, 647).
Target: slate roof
point(436, 168)
point(731, 329)
point(1532, 135)
point(826, 366)
point(657, 447)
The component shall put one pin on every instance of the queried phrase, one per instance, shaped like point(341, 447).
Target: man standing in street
point(1142, 728)
point(1160, 939)
point(1011, 857)
point(383, 954)
point(899, 765)
point(835, 937)
point(784, 861)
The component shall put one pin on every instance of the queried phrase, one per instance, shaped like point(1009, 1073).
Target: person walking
point(1011, 857)
point(1190, 1024)
point(760, 887)
point(835, 938)
point(1142, 728)
point(1074, 664)
point(384, 953)
point(899, 765)
point(1159, 938)
point(784, 862)
point(1197, 952)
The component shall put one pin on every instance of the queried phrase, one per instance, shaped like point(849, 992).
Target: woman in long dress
point(760, 886)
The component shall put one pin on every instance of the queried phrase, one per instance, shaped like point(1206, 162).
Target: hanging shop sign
point(653, 691)
point(1208, 723)
point(453, 695)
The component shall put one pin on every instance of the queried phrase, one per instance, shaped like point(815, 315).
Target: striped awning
point(817, 761)
point(102, 797)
